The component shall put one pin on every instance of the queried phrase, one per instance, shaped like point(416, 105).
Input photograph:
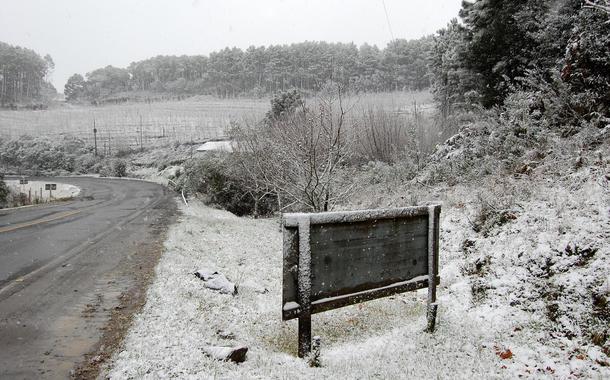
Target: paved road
point(63, 268)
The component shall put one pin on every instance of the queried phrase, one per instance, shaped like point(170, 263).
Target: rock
point(216, 281)
point(235, 354)
point(225, 334)
point(524, 169)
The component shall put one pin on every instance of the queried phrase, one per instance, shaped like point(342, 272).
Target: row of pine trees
point(23, 74)
point(263, 70)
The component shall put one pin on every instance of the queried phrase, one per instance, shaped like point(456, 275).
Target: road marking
point(51, 218)
point(29, 277)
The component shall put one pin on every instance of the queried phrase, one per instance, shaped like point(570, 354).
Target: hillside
point(524, 281)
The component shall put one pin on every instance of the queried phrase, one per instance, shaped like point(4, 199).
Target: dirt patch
point(139, 271)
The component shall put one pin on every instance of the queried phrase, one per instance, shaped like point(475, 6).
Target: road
point(65, 267)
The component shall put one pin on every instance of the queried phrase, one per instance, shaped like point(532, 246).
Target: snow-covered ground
point(496, 299)
point(37, 189)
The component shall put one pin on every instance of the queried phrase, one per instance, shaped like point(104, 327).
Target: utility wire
point(387, 18)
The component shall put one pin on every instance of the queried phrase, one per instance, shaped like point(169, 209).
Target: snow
point(292, 219)
point(216, 281)
point(63, 191)
point(494, 297)
point(304, 267)
point(222, 146)
point(289, 306)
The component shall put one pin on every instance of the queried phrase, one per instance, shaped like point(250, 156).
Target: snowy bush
point(384, 136)
point(119, 168)
point(40, 154)
point(218, 180)
point(4, 192)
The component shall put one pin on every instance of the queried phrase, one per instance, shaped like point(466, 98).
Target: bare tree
point(298, 157)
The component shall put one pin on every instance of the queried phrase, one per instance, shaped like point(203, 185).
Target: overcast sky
point(82, 35)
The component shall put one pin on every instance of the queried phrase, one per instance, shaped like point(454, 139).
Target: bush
point(119, 168)
point(4, 192)
point(283, 104)
point(40, 154)
point(87, 164)
point(217, 178)
point(383, 136)
point(498, 206)
point(124, 151)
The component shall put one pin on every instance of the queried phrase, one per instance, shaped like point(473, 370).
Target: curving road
point(64, 267)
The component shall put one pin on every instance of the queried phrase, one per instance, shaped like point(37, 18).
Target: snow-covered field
point(496, 299)
point(37, 189)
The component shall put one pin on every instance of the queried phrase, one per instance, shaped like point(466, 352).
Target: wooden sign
point(50, 186)
point(336, 259)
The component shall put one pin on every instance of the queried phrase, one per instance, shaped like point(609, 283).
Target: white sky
point(82, 35)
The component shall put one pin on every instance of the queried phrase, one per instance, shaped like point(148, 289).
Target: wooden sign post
point(50, 187)
point(336, 259)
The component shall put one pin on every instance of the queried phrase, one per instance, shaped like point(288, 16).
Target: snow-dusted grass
point(194, 118)
point(63, 191)
point(382, 338)
point(535, 278)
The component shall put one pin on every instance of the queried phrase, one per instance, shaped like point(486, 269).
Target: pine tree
point(501, 42)
point(74, 87)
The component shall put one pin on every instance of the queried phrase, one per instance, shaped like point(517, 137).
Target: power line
point(387, 18)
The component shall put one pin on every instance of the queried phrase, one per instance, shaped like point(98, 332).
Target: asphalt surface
point(63, 268)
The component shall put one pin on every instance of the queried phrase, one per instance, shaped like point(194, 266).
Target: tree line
point(257, 71)
point(23, 75)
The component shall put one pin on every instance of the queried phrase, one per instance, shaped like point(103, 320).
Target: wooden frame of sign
point(336, 259)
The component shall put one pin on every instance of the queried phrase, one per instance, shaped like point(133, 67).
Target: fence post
point(433, 242)
point(95, 137)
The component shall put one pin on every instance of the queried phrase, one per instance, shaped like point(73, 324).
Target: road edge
point(132, 300)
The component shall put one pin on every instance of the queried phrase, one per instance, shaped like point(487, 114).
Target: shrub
point(383, 136)
point(39, 154)
point(119, 168)
point(217, 178)
point(86, 164)
point(124, 151)
point(283, 104)
point(498, 206)
point(4, 191)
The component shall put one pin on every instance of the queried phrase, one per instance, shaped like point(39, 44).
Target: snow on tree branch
point(598, 4)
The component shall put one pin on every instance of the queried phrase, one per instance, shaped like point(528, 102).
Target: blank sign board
point(352, 257)
point(354, 253)
point(337, 259)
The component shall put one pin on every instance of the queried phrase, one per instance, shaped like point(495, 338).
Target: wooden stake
point(304, 291)
point(95, 138)
point(433, 242)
